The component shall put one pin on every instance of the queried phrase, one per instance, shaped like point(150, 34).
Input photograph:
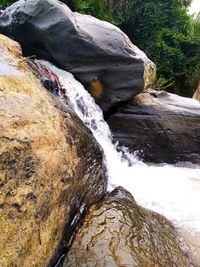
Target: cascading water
point(170, 190)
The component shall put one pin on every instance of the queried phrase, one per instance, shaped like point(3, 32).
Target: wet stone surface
point(117, 232)
point(159, 127)
point(50, 167)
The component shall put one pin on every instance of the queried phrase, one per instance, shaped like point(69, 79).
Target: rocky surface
point(117, 232)
point(163, 127)
point(99, 54)
point(192, 240)
point(51, 167)
point(197, 93)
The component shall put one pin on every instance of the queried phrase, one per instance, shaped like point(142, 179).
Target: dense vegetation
point(163, 29)
point(5, 3)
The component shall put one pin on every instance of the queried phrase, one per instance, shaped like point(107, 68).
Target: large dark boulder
point(161, 126)
point(117, 232)
point(51, 167)
point(99, 54)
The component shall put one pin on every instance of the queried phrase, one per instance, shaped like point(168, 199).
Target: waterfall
point(172, 191)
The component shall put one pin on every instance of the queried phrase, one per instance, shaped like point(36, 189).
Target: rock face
point(163, 127)
point(117, 232)
point(197, 93)
point(99, 54)
point(51, 167)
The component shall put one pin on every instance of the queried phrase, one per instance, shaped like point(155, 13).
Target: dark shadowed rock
point(99, 54)
point(50, 167)
point(163, 127)
point(117, 232)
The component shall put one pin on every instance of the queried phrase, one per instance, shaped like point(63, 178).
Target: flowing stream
point(173, 191)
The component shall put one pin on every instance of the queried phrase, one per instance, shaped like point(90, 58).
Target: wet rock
point(48, 79)
point(50, 166)
point(192, 240)
point(162, 127)
point(117, 232)
point(99, 54)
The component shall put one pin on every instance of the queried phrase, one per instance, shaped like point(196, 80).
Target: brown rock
point(50, 166)
point(192, 240)
point(197, 93)
point(117, 232)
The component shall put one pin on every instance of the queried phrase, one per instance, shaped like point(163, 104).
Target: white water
point(170, 190)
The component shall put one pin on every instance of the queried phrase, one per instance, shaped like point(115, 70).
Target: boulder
point(197, 93)
point(51, 166)
point(99, 54)
point(160, 127)
point(117, 232)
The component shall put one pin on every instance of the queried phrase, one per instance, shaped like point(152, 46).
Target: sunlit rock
point(160, 126)
point(117, 232)
point(50, 166)
point(99, 54)
point(197, 93)
point(192, 240)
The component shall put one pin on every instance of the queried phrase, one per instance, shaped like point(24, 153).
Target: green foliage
point(163, 30)
point(5, 3)
point(162, 84)
point(97, 8)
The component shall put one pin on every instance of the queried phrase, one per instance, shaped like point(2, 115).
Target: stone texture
point(197, 93)
point(117, 232)
point(162, 127)
point(99, 54)
point(192, 240)
point(50, 166)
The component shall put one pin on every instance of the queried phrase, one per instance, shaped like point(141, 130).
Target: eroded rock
point(99, 54)
point(117, 232)
point(161, 126)
point(50, 166)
